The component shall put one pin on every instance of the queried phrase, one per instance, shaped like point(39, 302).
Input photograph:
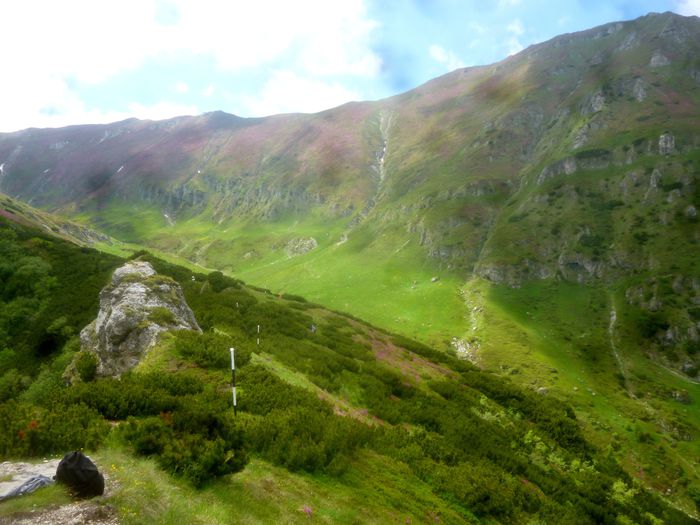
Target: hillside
point(17, 211)
point(538, 216)
point(574, 160)
point(347, 421)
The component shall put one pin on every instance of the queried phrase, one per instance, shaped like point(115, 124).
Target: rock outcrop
point(658, 60)
point(667, 144)
point(300, 246)
point(135, 308)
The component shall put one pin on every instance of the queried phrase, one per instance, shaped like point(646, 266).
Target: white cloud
point(688, 7)
point(505, 4)
point(287, 92)
point(208, 91)
point(50, 47)
point(56, 105)
point(181, 87)
point(326, 37)
point(93, 40)
point(80, 39)
point(516, 27)
point(445, 57)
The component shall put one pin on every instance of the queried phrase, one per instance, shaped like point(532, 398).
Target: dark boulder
point(80, 475)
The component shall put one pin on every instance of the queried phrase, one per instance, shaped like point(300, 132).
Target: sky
point(96, 61)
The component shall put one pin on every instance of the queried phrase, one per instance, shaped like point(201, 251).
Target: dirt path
point(84, 512)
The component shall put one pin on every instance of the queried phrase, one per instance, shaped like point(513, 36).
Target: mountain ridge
point(584, 105)
point(538, 215)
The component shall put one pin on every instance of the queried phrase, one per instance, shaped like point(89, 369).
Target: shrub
point(302, 438)
point(420, 349)
point(34, 431)
point(197, 442)
point(161, 316)
point(12, 382)
point(650, 324)
point(694, 493)
point(211, 349)
point(86, 366)
point(298, 430)
point(292, 297)
point(219, 282)
point(132, 395)
point(592, 154)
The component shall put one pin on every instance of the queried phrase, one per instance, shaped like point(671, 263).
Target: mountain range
point(537, 216)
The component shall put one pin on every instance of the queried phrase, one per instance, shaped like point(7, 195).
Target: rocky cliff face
point(135, 308)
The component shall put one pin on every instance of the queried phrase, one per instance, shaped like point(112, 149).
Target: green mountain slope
point(328, 418)
point(19, 212)
point(566, 161)
point(539, 216)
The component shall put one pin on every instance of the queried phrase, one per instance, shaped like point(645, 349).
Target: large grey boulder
point(135, 308)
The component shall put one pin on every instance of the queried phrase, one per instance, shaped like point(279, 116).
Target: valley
point(536, 218)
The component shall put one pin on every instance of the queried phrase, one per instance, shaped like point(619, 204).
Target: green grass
point(544, 335)
point(373, 490)
point(385, 278)
point(49, 496)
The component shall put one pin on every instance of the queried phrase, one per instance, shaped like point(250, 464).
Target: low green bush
point(134, 394)
point(161, 316)
point(86, 366)
point(298, 430)
point(219, 282)
point(30, 431)
point(197, 442)
point(12, 383)
point(211, 349)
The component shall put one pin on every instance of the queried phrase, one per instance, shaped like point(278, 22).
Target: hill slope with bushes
point(324, 398)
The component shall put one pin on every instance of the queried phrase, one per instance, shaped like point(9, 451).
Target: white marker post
point(233, 379)
point(258, 334)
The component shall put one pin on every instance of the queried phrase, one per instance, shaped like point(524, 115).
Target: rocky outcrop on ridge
point(135, 308)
